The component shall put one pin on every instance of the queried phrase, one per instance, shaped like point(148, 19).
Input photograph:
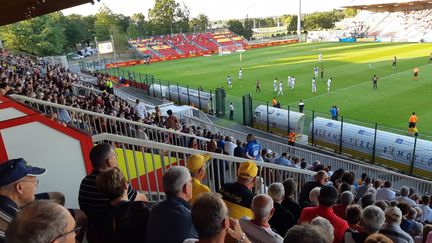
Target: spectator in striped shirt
point(91, 200)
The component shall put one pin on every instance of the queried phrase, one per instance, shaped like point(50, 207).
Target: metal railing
point(96, 123)
point(78, 89)
point(398, 180)
point(145, 156)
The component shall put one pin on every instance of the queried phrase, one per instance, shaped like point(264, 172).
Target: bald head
point(321, 177)
point(40, 222)
point(262, 206)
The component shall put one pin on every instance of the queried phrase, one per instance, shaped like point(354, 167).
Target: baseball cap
point(196, 161)
point(15, 169)
point(247, 169)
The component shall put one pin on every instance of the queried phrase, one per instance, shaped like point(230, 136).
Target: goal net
point(228, 49)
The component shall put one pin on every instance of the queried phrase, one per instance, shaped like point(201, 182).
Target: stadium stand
point(406, 21)
point(177, 44)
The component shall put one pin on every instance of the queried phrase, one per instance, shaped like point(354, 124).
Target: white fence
point(96, 123)
point(149, 160)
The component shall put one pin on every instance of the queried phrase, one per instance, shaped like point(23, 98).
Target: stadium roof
point(12, 11)
point(389, 5)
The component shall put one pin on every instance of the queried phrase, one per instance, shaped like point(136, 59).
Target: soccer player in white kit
point(289, 81)
point(280, 89)
point(316, 71)
point(275, 86)
point(313, 85)
point(329, 84)
point(240, 75)
point(320, 57)
point(229, 82)
point(292, 82)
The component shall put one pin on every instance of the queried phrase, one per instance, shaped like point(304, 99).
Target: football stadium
point(172, 121)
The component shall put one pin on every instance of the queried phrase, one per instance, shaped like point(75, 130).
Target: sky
point(216, 10)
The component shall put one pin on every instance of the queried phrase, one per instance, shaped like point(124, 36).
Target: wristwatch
point(242, 238)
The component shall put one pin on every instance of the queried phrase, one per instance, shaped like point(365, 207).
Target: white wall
point(10, 113)
point(45, 147)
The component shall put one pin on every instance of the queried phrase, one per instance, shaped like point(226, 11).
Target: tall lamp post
point(299, 21)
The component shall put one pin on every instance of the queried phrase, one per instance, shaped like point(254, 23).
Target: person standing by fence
point(412, 123)
point(301, 106)
point(231, 115)
point(291, 137)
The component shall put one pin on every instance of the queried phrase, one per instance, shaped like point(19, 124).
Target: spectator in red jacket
point(327, 198)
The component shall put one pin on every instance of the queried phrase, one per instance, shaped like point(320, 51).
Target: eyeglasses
point(74, 230)
point(188, 182)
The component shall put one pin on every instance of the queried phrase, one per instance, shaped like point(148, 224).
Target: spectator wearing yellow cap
point(196, 164)
point(238, 195)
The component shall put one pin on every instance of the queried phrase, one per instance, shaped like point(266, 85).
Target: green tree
point(349, 12)
point(167, 16)
point(41, 36)
point(74, 31)
point(286, 19)
point(137, 26)
point(236, 26)
point(247, 32)
point(292, 27)
point(123, 22)
point(200, 23)
point(105, 23)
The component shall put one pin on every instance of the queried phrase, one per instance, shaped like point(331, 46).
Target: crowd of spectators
point(190, 212)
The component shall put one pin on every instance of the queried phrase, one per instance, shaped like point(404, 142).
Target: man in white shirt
point(329, 81)
point(426, 216)
point(313, 85)
point(292, 82)
point(140, 110)
point(258, 229)
point(229, 146)
point(316, 71)
point(280, 89)
point(231, 109)
point(404, 192)
point(385, 192)
point(240, 74)
point(275, 86)
point(229, 82)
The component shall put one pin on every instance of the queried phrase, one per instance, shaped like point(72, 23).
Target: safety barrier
point(144, 162)
point(96, 123)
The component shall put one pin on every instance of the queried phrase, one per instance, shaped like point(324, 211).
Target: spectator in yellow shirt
point(196, 164)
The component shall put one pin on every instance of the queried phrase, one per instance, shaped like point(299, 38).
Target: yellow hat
point(196, 161)
point(248, 169)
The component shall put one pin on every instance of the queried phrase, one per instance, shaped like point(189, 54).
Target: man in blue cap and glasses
point(18, 182)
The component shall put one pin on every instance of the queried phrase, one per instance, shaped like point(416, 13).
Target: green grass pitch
point(351, 65)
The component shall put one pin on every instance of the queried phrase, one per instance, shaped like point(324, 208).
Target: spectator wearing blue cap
point(18, 184)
